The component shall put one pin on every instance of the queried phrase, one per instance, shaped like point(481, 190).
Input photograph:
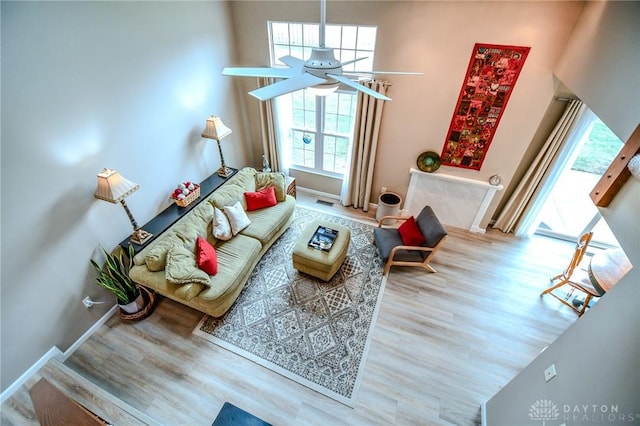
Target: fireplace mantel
point(457, 201)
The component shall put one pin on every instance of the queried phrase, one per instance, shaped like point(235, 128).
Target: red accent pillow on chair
point(410, 233)
point(261, 199)
point(206, 256)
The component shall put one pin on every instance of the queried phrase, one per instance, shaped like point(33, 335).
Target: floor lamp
point(114, 188)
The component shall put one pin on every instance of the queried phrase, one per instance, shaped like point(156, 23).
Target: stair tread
point(80, 389)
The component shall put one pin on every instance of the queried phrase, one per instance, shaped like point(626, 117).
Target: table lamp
point(112, 187)
point(216, 130)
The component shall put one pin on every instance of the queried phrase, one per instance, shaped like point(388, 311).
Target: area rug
point(313, 332)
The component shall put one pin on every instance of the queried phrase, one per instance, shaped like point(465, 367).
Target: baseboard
point(477, 230)
point(89, 332)
point(56, 353)
point(314, 193)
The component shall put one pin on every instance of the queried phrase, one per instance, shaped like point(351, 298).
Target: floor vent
point(325, 203)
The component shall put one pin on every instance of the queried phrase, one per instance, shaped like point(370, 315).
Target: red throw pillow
point(410, 233)
point(206, 256)
point(261, 199)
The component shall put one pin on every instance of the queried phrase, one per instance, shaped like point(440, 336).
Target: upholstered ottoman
point(319, 263)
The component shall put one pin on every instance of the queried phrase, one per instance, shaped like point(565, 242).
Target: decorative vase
point(265, 165)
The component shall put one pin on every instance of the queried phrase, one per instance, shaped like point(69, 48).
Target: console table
point(173, 213)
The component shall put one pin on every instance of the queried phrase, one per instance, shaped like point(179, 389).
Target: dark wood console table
point(173, 213)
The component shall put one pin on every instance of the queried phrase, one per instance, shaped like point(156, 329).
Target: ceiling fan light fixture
point(324, 89)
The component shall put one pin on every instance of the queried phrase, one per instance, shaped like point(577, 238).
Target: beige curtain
point(356, 186)
point(270, 146)
point(521, 198)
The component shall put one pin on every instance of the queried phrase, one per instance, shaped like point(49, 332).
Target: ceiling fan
point(321, 71)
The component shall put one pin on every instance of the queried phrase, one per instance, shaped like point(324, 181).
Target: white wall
point(87, 85)
point(606, 43)
point(437, 38)
point(597, 358)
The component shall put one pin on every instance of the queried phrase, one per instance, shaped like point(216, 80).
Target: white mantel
point(457, 201)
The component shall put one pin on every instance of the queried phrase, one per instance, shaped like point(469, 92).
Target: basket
point(149, 298)
point(193, 195)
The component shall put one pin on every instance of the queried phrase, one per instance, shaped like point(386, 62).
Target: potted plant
point(114, 276)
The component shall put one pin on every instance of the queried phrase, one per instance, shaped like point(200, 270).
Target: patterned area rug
point(312, 332)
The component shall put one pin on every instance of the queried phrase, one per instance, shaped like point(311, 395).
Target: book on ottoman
point(323, 238)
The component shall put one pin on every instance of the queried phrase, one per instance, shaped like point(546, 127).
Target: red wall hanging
point(492, 73)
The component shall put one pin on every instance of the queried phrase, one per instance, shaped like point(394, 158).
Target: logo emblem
point(543, 410)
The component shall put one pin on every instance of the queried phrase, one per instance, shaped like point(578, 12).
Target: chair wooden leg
point(387, 267)
point(429, 268)
point(585, 305)
point(553, 287)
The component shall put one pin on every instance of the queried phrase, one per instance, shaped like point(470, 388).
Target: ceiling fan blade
point(367, 73)
point(260, 72)
point(294, 63)
point(397, 72)
point(358, 86)
point(354, 60)
point(298, 82)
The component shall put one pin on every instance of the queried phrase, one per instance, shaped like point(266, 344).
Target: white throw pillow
point(221, 228)
point(237, 217)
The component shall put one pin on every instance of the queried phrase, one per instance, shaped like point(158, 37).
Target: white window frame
point(300, 39)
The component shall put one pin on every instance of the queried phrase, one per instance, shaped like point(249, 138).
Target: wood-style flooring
point(443, 344)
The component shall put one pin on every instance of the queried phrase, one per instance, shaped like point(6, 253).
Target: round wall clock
point(495, 180)
point(428, 161)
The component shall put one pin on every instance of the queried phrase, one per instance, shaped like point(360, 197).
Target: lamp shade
point(113, 187)
point(215, 129)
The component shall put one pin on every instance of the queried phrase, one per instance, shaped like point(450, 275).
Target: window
point(318, 129)
point(568, 212)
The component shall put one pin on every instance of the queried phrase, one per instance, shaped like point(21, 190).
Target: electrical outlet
point(87, 302)
point(550, 372)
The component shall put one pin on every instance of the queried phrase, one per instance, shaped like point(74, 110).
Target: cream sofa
point(237, 257)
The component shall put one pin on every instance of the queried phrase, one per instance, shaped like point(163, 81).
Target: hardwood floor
point(443, 344)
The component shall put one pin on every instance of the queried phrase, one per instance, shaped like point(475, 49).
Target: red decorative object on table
point(185, 193)
point(491, 76)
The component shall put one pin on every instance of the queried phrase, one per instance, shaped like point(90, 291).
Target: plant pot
point(135, 306)
point(146, 301)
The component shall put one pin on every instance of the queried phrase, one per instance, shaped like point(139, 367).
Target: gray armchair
point(394, 252)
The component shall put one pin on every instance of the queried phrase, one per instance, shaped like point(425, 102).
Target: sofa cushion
point(233, 190)
point(182, 268)
point(410, 233)
point(158, 282)
point(206, 256)
point(266, 223)
point(235, 258)
point(227, 195)
point(275, 179)
point(261, 199)
point(220, 226)
point(156, 257)
point(388, 238)
point(237, 217)
point(430, 227)
point(184, 232)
